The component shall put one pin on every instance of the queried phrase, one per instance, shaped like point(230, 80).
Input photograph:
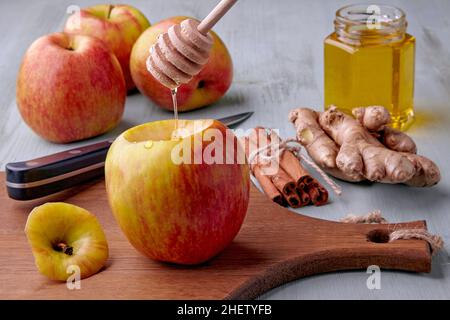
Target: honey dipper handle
point(215, 15)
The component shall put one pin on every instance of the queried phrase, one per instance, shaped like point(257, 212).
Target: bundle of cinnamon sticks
point(283, 178)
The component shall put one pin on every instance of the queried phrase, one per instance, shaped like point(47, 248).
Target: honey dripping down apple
point(173, 91)
point(175, 111)
point(178, 55)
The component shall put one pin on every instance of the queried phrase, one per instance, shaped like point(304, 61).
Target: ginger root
point(364, 148)
point(376, 119)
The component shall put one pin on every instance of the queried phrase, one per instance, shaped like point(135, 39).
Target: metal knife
point(32, 179)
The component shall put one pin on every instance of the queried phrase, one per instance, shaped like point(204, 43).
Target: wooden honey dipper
point(181, 52)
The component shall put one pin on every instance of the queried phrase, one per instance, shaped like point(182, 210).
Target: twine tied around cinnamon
point(435, 242)
point(264, 154)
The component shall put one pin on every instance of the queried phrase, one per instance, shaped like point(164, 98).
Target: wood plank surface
point(277, 50)
point(273, 247)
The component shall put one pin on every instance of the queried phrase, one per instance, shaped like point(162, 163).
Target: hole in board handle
point(378, 236)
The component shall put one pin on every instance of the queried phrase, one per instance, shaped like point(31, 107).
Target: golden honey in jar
point(369, 60)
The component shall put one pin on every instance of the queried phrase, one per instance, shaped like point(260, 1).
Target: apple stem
point(111, 7)
point(64, 248)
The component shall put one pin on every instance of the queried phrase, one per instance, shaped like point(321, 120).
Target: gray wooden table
point(277, 53)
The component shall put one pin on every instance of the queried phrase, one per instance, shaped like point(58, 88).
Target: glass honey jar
point(369, 60)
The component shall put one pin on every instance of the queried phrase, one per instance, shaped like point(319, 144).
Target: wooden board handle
point(304, 246)
point(215, 15)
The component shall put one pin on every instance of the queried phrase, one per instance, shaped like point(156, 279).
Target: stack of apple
point(73, 85)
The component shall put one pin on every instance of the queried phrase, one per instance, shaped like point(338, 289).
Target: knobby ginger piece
point(320, 147)
point(360, 154)
point(376, 119)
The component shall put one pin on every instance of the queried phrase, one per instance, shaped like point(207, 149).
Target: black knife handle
point(40, 177)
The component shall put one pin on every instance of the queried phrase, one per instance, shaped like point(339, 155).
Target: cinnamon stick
point(284, 183)
point(307, 186)
point(279, 179)
point(268, 187)
point(291, 164)
point(264, 181)
point(317, 193)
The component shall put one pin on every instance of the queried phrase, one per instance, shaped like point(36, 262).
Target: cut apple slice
point(66, 239)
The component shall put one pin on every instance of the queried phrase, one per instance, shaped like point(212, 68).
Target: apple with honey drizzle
point(181, 199)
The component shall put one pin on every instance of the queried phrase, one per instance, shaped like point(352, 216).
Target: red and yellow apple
point(176, 211)
point(119, 26)
point(204, 89)
point(65, 238)
point(70, 87)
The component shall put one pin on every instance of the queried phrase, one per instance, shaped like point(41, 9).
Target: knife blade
point(36, 178)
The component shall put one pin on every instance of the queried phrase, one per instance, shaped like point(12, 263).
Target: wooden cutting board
point(273, 247)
